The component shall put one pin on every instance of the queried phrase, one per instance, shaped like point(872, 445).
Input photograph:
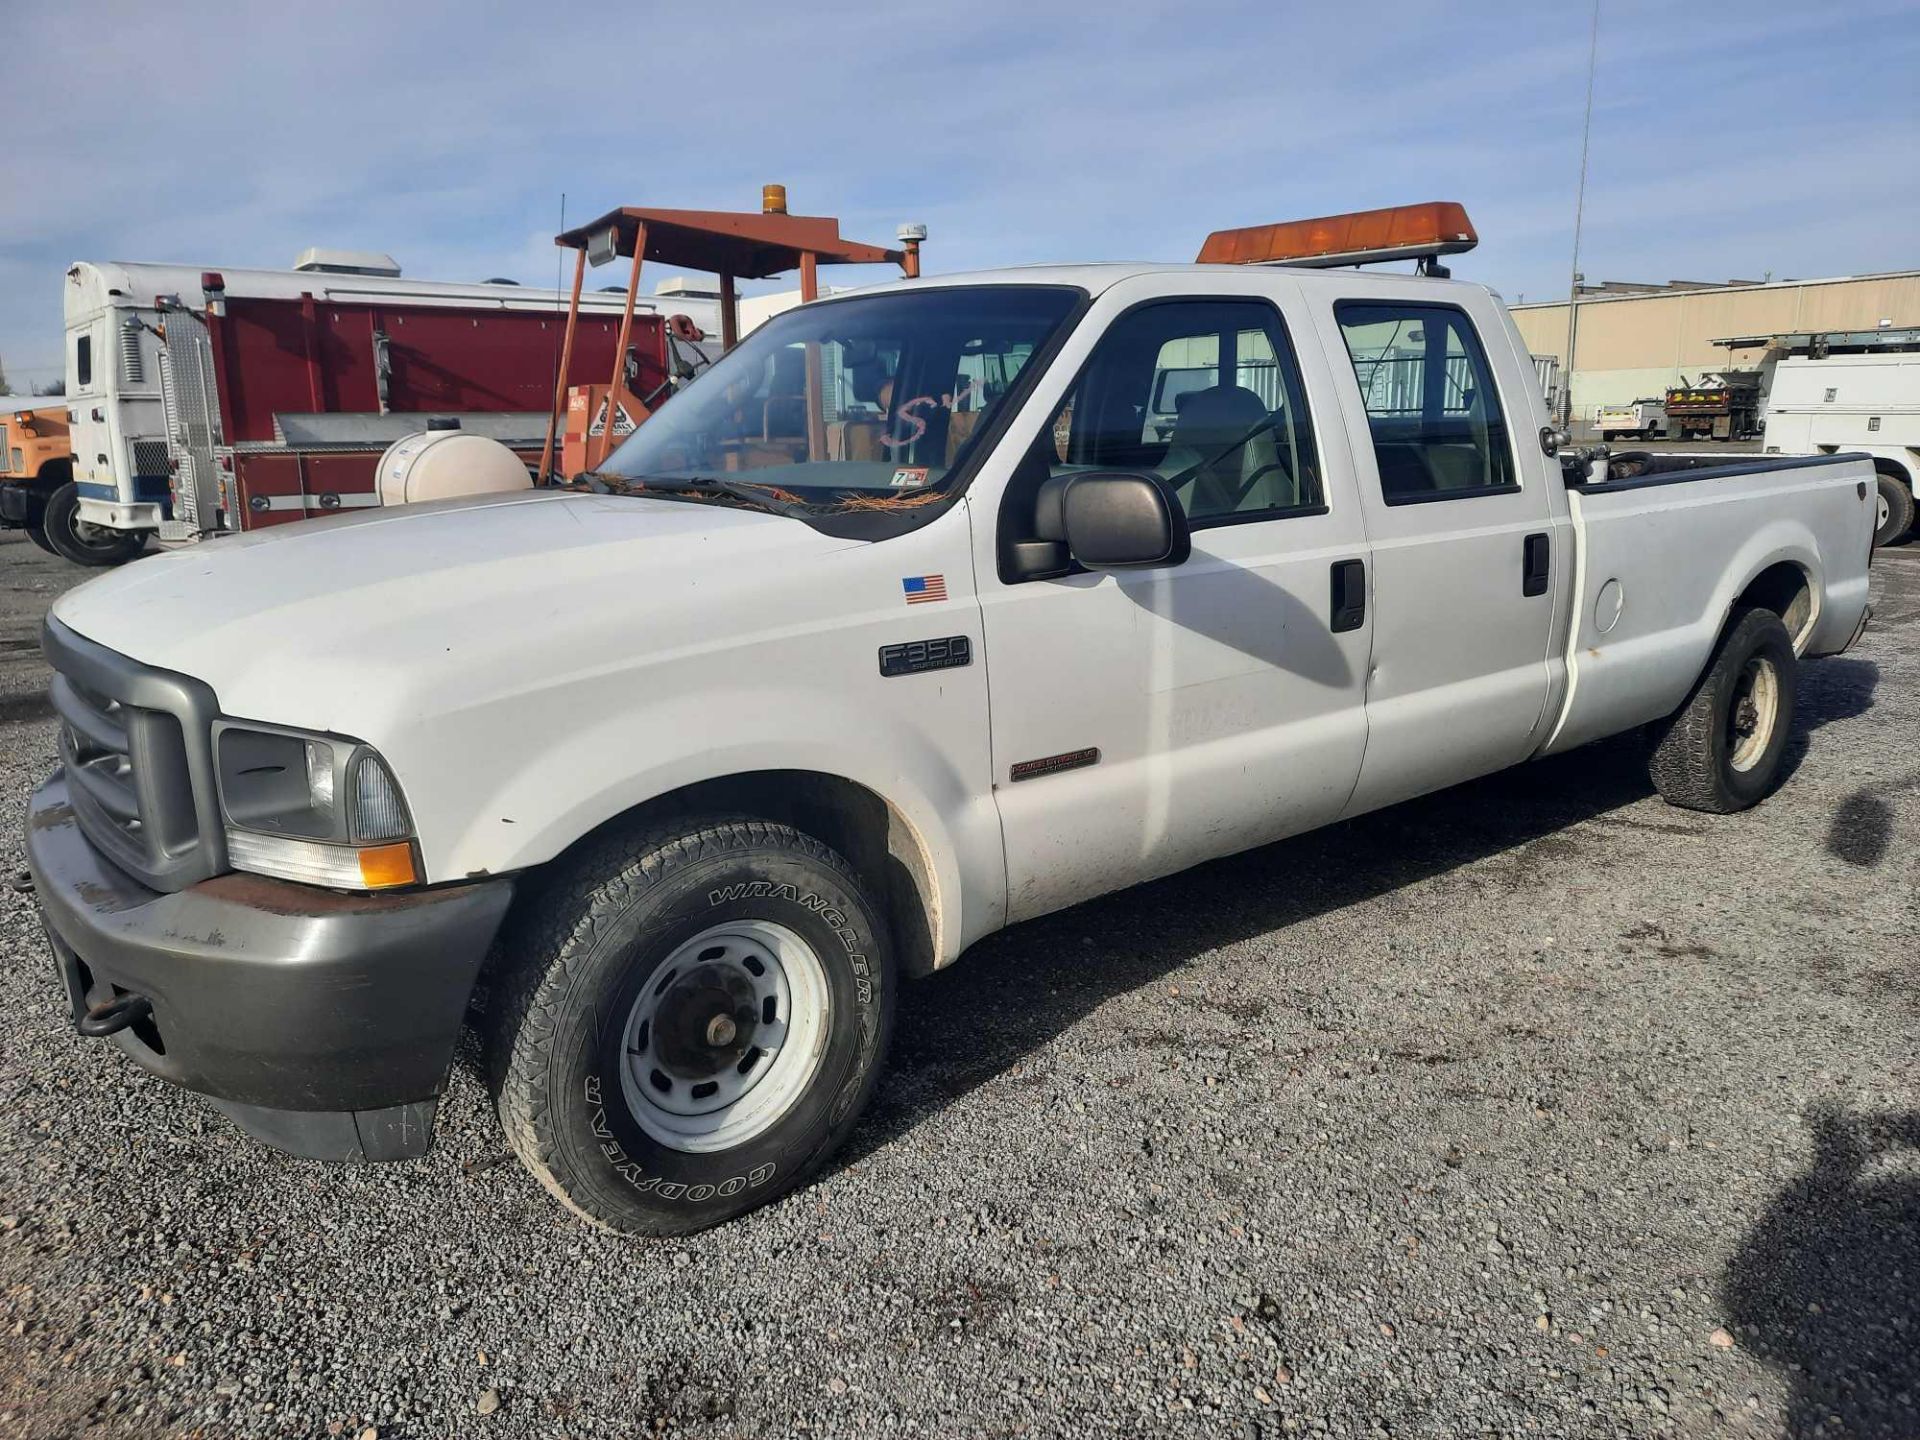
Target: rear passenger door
point(1462, 540)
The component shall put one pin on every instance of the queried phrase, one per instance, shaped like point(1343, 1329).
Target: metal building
point(1634, 341)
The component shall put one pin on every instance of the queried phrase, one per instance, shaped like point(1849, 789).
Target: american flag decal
point(924, 589)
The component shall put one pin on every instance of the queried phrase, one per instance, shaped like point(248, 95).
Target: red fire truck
point(206, 401)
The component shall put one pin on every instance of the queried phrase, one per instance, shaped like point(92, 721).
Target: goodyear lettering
point(630, 1170)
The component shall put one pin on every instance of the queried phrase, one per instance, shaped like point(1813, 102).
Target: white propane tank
point(438, 462)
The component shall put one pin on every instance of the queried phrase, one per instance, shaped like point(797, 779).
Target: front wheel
point(81, 541)
point(1893, 513)
point(692, 1020)
point(1721, 751)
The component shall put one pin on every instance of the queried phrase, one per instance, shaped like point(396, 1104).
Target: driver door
point(1146, 720)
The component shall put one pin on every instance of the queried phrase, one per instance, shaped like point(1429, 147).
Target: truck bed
point(1672, 549)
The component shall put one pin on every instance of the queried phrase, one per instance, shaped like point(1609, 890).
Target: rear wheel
point(81, 541)
point(1721, 751)
point(692, 1020)
point(1893, 515)
point(39, 537)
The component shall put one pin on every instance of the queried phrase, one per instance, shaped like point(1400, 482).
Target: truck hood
point(356, 623)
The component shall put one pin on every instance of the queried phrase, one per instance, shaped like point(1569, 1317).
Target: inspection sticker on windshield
point(924, 589)
point(909, 477)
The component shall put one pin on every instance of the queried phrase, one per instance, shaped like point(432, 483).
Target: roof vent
point(317, 260)
point(679, 286)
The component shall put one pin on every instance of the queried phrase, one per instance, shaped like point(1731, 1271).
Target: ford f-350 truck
point(686, 770)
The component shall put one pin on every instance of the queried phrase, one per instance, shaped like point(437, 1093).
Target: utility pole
point(1579, 215)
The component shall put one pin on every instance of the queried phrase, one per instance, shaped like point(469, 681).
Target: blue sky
point(444, 134)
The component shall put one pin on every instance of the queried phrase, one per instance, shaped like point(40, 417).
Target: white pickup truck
point(911, 619)
point(1641, 420)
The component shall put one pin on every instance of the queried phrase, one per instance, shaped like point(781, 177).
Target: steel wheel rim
point(725, 1037)
point(1882, 513)
point(1754, 712)
point(94, 537)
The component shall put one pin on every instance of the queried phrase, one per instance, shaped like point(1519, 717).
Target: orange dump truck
point(36, 462)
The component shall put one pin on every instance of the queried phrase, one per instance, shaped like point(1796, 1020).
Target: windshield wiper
point(759, 495)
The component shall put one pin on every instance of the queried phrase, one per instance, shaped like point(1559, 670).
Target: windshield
point(871, 401)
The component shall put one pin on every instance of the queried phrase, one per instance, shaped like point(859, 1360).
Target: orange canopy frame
point(733, 244)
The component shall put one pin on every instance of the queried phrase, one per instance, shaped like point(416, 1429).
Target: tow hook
point(110, 1017)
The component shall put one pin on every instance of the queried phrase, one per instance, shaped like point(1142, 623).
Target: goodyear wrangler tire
point(690, 1021)
point(1721, 751)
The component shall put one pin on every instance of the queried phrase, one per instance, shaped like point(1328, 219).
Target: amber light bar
point(1366, 237)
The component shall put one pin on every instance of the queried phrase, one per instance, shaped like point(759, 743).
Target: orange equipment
point(735, 245)
point(36, 459)
point(1402, 232)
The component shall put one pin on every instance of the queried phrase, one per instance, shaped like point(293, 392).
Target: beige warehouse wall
point(1637, 346)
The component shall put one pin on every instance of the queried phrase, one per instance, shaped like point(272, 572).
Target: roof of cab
point(1098, 276)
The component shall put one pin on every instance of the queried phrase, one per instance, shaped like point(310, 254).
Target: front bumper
point(20, 507)
point(321, 1023)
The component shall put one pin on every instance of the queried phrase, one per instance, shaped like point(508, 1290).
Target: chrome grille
point(136, 745)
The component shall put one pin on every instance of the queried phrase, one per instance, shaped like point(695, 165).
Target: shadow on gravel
point(1838, 688)
point(1827, 1286)
point(1017, 990)
point(25, 709)
point(1861, 832)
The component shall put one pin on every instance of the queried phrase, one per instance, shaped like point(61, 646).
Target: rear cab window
point(1432, 407)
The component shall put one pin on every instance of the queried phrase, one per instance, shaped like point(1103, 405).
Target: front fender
point(569, 783)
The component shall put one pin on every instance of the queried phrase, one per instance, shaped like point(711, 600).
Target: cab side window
point(83, 361)
point(1438, 431)
point(1207, 394)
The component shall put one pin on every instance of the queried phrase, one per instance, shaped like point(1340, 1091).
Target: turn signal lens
point(384, 866)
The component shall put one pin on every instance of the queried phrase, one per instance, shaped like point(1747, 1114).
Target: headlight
point(314, 808)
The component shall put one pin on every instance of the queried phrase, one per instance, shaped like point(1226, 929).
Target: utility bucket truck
point(1857, 391)
point(210, 401)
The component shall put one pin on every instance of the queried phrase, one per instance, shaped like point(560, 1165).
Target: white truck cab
point(912, 618)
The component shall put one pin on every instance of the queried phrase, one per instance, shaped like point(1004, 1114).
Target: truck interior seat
point(1205, 423)
point(785, 409)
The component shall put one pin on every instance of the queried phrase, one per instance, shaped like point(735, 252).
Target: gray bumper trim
point(266, 994)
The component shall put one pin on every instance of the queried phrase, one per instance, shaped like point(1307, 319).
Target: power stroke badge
point(914, 656)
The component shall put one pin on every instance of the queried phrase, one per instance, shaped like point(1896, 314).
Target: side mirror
point(1114, 520)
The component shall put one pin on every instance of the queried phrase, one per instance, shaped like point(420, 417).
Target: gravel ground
point(1532, 1107)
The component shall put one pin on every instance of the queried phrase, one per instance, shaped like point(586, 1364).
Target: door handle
point(1349, 595)
point(1536, 561)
